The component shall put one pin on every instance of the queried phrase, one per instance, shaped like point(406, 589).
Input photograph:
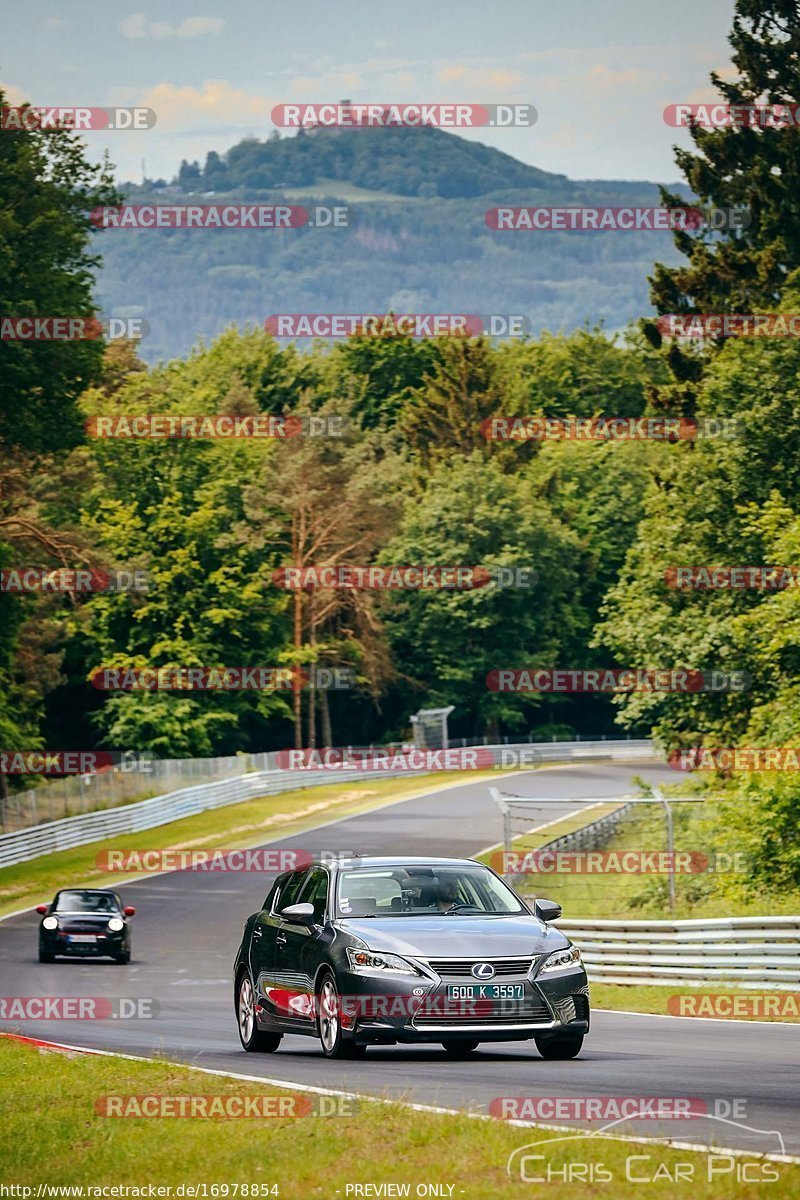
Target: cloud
point(180, 107)
point(137, 26)
point(13, 95)
point(606, 80)
point(485, 80)
point(56, 23)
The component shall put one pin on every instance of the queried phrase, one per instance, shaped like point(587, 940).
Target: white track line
point(629, 1012)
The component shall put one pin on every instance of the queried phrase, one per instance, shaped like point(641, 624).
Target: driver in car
point(447, 893)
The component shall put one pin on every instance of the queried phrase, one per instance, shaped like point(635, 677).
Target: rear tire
point(253, 1039)
point(564, 1045)
point(459, 1048)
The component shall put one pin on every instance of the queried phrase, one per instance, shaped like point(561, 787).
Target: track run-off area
point(188, 925)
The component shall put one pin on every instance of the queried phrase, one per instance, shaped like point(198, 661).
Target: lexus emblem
point(483, 970)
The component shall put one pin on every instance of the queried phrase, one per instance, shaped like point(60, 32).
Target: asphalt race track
point(188, 925)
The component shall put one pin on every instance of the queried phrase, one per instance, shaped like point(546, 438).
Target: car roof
point(88, 892)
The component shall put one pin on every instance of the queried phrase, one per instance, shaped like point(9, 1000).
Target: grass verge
point(765, 1005)
point(54, 1135)
point(237, 826)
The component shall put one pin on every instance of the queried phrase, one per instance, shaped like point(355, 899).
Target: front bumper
point(387, 1011)
point(104, 945)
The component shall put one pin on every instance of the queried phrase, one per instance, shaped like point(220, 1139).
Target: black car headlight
point(50, 923)
point(561, 960)
point(373, 962)
point(116, 924)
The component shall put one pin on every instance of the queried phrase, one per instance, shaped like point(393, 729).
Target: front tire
point(253, 1039)
point(124, 958)
point(459, 1048)
point(564, 1045)
point(44, 957)
point(329, 1025)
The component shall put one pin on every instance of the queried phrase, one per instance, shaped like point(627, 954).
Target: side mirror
point(128, 910)
point(547, 910)
point(41, 909)
point(299, 914)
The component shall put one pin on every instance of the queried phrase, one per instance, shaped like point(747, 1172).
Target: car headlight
point(370, 962)
point(50, 923)
point(561, 960)
point(115, 924)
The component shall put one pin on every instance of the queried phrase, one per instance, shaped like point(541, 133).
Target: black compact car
point(388, 950)
point(85, 923)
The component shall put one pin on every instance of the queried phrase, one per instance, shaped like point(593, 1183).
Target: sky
point(599, 72)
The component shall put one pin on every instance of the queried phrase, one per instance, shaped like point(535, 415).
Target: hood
point(456, 936)
point(89, 922)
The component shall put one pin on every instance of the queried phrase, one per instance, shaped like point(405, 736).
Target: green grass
point(645, 999)
point(237, 826)
point(53, 1135)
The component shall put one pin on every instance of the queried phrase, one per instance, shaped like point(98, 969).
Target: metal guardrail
point(593, 836)
point(753, 952)
point(48, 838)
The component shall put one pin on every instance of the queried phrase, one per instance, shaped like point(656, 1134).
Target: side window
point(290, 891)
point(272, 893)
point(316, 892)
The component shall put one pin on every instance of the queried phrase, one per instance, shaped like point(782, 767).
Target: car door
point(298, 949)
point(269, 993)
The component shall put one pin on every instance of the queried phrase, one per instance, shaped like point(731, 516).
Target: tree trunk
point(325, 715)
point(297, 696)
point(312, 681)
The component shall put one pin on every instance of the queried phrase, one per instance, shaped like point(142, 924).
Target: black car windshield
point(423, 890)
point(86, 902)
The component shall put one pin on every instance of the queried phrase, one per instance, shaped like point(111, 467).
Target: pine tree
point(749, 167)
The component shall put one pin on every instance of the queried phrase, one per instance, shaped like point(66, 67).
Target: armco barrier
point(48, 838)
point(752, 952)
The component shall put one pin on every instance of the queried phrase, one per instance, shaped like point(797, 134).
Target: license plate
point(486, 991)
point(83, 937)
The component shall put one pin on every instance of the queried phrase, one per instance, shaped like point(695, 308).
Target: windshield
point(86, 902)
point(420, 891)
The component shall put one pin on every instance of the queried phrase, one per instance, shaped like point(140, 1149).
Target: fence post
point(659, 795)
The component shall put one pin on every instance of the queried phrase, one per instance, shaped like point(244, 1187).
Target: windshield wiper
point(454, 908)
